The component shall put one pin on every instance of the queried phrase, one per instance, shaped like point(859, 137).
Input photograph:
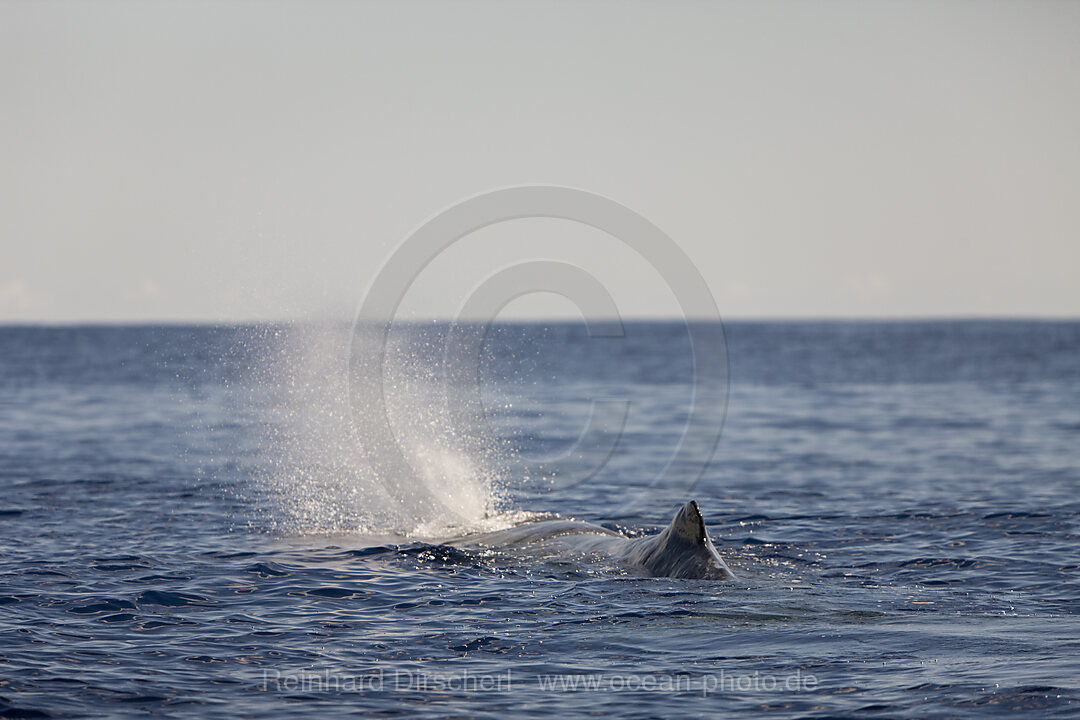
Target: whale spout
point(682, 550)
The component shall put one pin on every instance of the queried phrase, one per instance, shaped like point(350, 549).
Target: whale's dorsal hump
point(683, 549)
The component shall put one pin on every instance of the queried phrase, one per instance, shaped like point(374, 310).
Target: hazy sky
point(238, 160)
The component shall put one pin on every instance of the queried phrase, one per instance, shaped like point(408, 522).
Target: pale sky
point(256, 160)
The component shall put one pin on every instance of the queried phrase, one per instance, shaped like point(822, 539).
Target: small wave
point(109, 605)
point(172, 599)
point(338, 593)
point(266, 569)
point(906, 422)
point(1018, 515)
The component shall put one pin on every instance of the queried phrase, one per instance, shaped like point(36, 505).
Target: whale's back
point(682, 550)
point(534, 532)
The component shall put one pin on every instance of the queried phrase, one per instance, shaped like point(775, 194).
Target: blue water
point(191, 526)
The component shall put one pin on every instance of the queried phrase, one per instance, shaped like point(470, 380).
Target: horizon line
point(555, 320)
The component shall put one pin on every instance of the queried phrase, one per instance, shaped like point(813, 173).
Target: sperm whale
point(682, 550)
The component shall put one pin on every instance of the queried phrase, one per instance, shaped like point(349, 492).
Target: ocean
point(208, 522)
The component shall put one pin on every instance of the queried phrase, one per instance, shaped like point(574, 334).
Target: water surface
point(189, 531)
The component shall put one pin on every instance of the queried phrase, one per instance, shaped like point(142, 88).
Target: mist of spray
point(322, 470)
